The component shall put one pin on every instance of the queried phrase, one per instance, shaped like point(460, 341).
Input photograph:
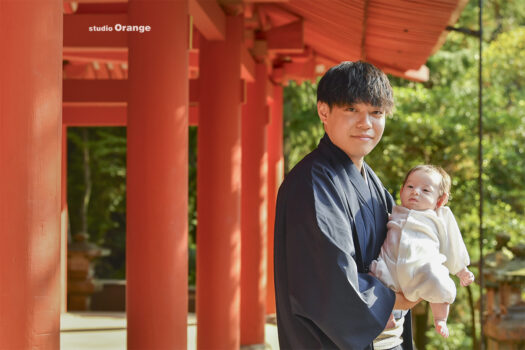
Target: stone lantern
point(504, 324)
point(80, 284)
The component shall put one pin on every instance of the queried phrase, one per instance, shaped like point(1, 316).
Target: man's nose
point(365, 120)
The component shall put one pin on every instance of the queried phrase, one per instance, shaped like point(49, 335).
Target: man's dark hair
point(355, 82)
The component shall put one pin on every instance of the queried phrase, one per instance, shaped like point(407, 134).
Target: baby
point(423, 245)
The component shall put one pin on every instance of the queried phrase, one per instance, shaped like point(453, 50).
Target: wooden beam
point(77, 71)
point(420, 75)
point(106, 114)
point(96, 1)
point(84, 90)
point(194, 116)
point(454, 16)
point(300, 71)
point(101, 70)
point(247, 66)
point(269, 91)
point(115, 71)
point(95, 30)
point(194, 63)
point(124, 68)
point(86, 114)
point(107, 90)
point(263, 19)
point(80, 54)
point(69, 8)
point(277, 75)
point(279, 15)
point(363, 30)
point(288, 38)
point(209, 19)
point(90, 72)
point(305, 56)
point(323, 63)
point(236, 2)
point(194, 92)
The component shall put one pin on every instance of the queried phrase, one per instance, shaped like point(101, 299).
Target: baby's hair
point(444, 186)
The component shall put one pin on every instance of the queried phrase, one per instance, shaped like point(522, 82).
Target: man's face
point(356, 129)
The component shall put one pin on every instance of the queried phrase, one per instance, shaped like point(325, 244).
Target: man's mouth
point(363, 137)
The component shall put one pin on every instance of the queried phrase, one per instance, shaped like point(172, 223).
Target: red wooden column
point(30, 156)
point(253, 210)
point(219, 191)
point(157, 177)
point(275, 177)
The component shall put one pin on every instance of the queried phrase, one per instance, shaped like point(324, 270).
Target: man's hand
point(403, 303)
point(391, 323)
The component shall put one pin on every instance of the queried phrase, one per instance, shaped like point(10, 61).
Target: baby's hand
point(465, 277)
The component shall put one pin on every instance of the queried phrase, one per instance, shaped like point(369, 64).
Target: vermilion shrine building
point(218, 64)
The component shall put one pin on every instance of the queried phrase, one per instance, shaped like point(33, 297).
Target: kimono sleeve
point(454, 249)
point(325, 287)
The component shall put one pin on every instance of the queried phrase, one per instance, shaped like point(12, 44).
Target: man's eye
point(350, 109)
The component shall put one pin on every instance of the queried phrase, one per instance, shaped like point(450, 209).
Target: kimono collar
point(355, 176)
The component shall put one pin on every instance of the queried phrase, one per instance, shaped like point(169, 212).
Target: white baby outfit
point(421, 249)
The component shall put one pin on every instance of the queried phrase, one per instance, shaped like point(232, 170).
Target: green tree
point(97, 192)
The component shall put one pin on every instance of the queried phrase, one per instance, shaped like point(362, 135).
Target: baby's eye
point(410, 186)
point(426, 190)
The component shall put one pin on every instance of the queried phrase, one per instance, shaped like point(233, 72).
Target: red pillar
point(219, 191)
point(253, 211)
point(30, 144)
point(157, 177)
point(275, 177)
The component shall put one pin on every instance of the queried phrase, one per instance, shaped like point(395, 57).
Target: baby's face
point(421, 190)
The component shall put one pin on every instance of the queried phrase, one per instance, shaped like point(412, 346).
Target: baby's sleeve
point(454, 248)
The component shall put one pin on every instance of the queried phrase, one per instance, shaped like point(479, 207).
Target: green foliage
point(302, 128)
point(106, 214)
point(106, 211)
point(458, 338)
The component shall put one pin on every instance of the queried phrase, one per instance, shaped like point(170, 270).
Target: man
point(330, 224)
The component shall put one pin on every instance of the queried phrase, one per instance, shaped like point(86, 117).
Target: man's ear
point(442, 200)
point(323, 110)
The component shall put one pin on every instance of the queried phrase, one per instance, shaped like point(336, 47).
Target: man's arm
point(403, 303)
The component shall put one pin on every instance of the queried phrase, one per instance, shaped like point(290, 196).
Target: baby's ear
point(442, 200)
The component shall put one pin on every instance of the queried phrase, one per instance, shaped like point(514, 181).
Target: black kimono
point(329, 226)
